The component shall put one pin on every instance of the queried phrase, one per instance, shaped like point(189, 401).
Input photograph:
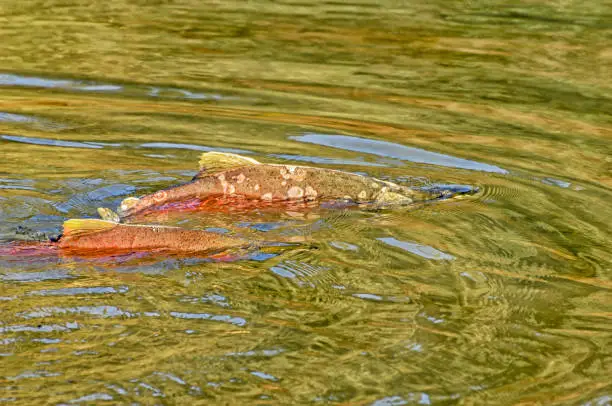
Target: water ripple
point(103, 290)
point(303, 273)
point(326, 161)
point(218, 300)
point(93, 397)
point(256, 353)
point(264, 375)
point(84, 201)
point(54, 274)
point(393, 150)
point(424, 251)
point(238, 321)
point(41, 328)
point(17, 118)
point(170, 145)
point(48, 142)
point(102, 311)
point(27, 81)
point(8, 79)
point(33, 374)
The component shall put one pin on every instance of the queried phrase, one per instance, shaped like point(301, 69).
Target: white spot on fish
point(347, 197)
point(240, 178)
point(267, 196)
point(375, 185)
point(159, 196)
point(257, 187)
point(363, 195)
point(128, 203)
point(231, 189)
point(283, 183)
point(292, 172)
point(299, 175)
point(223, 183)
point(284, 173)
point(295, 192)
point(310, 193)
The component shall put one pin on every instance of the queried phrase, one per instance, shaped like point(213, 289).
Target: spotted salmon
point(238, 177)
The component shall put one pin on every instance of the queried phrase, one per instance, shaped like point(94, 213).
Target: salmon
point(101, 238)
point(237, 177)
point(92, 235)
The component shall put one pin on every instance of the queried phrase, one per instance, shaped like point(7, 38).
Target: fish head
point(440, 191)
point(393, 195)
point(403, 195)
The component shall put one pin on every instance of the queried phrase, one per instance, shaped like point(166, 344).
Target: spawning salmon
point(239, 177)
point(92, 237)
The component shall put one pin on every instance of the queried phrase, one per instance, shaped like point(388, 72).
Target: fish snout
point(447, 191)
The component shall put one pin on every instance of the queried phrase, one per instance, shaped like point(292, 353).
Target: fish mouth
point(447, 191)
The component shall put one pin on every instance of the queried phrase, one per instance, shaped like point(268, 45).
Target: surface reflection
point(498, 297)
point(392, 150)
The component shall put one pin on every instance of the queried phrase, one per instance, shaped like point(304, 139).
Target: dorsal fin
point(211, 162)
point(76, 227)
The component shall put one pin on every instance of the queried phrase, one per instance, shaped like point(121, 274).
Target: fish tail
point(22, 249)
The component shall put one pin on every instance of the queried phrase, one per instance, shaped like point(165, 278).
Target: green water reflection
point(500, 298)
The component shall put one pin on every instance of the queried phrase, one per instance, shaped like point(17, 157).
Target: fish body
point(99, 236)
point(234, 176)
point(105, 241)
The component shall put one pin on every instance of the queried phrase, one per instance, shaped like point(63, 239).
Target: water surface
point(500, 298)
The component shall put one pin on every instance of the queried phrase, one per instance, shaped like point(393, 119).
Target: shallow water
point(499, 298)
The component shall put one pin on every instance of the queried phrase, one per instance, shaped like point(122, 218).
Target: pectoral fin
point(77, 227)
point(211, 162)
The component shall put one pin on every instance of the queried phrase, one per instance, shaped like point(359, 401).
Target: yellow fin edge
point(216, 161)
point(75, 227)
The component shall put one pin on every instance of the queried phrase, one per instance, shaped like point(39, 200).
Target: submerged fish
point(91, 237)
point(238, 177)
point(101, 235)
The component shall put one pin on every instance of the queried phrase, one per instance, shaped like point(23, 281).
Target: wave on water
point(393, 150)
point(9, 79)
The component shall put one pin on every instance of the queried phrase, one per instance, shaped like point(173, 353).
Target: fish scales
point(277, 183)
point(107, 236)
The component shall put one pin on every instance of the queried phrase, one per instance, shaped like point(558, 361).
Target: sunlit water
point(499, 298)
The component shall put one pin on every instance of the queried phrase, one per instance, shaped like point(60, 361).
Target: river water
point(498, 298)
